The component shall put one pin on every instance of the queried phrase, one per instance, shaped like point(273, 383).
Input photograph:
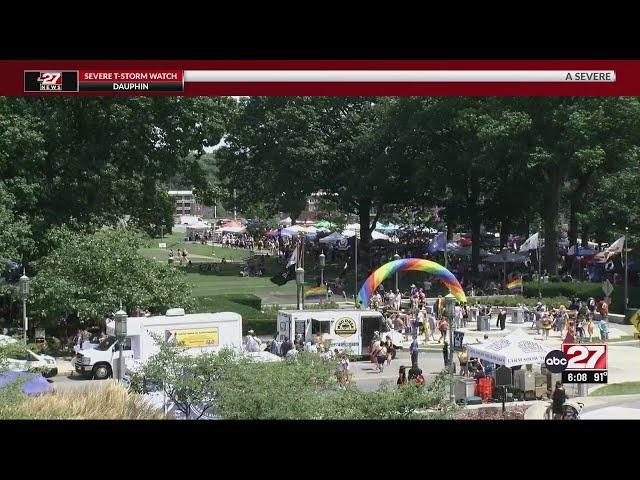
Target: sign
point(162, 245)
point(458, 338)
point(579, 363)
point(345, 327)
point(39, 333)
point(50, 81)
point(201, 337)
point(607, 288)
point(503, 376)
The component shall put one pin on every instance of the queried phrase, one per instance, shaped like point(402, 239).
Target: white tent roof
point(334, 237)
point(198, 226)
point(517, 348)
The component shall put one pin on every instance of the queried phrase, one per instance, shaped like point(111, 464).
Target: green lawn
point(211, 285)
point(624, 388)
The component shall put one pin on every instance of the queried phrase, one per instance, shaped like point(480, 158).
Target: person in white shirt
point(253, 343)
point(457, 317)
point(398, 300)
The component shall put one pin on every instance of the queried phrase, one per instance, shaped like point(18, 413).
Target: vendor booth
point(513, 350)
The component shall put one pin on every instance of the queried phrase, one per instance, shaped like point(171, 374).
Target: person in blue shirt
point(414, 350)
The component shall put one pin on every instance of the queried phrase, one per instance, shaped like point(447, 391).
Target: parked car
point(27, 360)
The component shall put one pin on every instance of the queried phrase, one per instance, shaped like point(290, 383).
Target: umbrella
point(506, 257)
point(32, 384)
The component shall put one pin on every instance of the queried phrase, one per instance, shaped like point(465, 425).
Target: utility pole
point(446, 236)
point(235, 217)
point(355, 291)
point(539, 260)
point(626, 271)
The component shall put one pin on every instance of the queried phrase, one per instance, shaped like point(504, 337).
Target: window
point(318, 327)
point(125, 346)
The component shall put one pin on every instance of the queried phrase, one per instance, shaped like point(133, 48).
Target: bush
point(514, 301)
point(584, 290)
point(103, 402)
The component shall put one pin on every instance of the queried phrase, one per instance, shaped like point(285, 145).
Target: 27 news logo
point(50, 81)
point(577, 357)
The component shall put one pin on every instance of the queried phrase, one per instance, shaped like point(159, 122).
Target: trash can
point(483, 323)
point(517, 316)
point(464, 389)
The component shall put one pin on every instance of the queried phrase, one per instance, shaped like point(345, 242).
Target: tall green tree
point(89, 161)
point(90, 274)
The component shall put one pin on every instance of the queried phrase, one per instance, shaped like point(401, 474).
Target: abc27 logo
point(579, 363)
point(50, 81)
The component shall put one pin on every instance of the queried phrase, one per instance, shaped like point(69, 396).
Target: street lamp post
point(321, 261)
point(396, 257)
point(24, 290)
point(121, 334)
point(449, 307)
point(300, 289)
point(504, 268)
point(626, 270)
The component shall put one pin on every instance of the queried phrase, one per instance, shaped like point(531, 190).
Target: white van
point(200, 332)
point(350, 331)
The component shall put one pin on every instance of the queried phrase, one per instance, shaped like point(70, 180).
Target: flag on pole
point(530, 244)
point(617, 246)
point(293, 260)
point(437, 244)
point(316, 293)
point(515, 285)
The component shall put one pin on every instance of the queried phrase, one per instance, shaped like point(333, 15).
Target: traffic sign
point(607, 288)
point(458, 338)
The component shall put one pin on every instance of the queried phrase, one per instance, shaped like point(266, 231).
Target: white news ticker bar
point(590, 76)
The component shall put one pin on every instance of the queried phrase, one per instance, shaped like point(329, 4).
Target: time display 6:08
point(591, 376)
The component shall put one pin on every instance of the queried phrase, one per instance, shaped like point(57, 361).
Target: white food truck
point(350, 331)
point(200, 332)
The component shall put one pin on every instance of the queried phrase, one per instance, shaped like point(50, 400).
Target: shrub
point(584, 290)
point(103, 402)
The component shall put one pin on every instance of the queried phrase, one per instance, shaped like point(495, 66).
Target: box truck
point(199, 332)
point(350, 331)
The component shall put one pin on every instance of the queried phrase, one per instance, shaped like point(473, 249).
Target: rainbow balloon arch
point(405, 264)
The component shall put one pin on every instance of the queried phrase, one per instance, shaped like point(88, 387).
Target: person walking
point(431, 320)
point(388, 344)
point(547, 325)
point(502, 318)
point(381, 358)
point(252, 343)
point(463, 359)
point(559, 397)
point(445, 353)
point(414, 350)
point(402, 376)
point(286, 346)
point(443, 326)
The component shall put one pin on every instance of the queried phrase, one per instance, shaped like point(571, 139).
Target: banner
point(201, 337)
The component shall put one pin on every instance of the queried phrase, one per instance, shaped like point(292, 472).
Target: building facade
point(186, 203)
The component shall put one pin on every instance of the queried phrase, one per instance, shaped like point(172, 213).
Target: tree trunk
point(550, 215)
point(364, 212)
point(504, 235)
point(573, 222)
point(475, 218)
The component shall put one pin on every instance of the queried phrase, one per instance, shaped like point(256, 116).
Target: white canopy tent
point(333, 238)
point(198, 227)
point(517, 348)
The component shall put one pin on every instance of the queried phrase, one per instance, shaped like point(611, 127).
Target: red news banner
point(130, 81)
